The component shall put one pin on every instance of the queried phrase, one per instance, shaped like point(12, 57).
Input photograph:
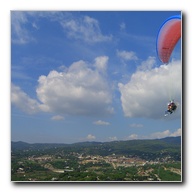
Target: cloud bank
point(149, 90)
point(157, 135)
point(81, 89)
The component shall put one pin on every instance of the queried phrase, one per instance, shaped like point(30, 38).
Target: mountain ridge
point(122, 146)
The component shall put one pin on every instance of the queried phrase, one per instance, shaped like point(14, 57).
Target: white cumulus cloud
point(157, 135)
point(132, 136)
point(149, 90)
point(147, 64)
point(90, 137)
point(113, 138)
point(99, 122)
point(127, 55)
point(101, 63)
point(80, 90)
point(136, 125)
point(178, 132)
point(57, 118)
point(166, 133)
point(21, 100)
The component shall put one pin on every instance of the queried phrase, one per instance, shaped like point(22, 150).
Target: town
point(77, 164)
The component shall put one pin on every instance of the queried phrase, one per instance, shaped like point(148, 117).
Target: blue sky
point(91, 76)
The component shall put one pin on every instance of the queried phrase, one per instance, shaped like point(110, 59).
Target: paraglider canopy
point(168, 36)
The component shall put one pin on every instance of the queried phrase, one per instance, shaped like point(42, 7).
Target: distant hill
point(34, 146)
point(137, 147)
point(172, 140)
